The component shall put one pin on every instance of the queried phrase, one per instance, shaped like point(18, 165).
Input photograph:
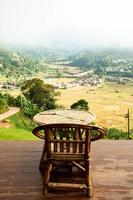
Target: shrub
point(80, 105)
point(30, 109)
point(116, 134)
point(20, 101)
point(3, 104)
point(11, 101)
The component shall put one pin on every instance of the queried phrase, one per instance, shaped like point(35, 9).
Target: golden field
point(109, 102)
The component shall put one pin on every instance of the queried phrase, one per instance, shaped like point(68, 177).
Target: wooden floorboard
point(111, 166)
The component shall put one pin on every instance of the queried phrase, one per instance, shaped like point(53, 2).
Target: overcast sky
point(67, 22)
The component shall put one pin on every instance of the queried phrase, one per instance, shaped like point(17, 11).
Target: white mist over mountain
point(67, 23)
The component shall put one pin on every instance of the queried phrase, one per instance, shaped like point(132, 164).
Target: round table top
point(60, 116)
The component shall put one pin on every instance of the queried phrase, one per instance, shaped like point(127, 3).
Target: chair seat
point(68, 157)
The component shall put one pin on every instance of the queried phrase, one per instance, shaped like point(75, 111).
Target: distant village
point(8, 85)
point(82, 79)
point(87, 78)
point(79, 82)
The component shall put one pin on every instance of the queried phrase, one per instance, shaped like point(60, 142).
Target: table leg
point(42, 160)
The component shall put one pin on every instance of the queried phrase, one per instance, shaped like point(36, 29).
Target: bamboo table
point(60, 116)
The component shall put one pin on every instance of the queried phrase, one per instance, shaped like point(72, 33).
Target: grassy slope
point(21, 129)
point(16, 134)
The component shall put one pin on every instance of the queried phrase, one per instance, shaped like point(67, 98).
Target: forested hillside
point(102, 58)
point(27, 62)
point(108, 61)
point(15, 64)
point(38, 53)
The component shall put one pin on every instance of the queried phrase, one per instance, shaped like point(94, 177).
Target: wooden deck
point(112, 172)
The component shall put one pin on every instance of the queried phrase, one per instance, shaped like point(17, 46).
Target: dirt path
point(10, 112)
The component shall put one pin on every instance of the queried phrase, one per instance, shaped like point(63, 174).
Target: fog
point(67, 23)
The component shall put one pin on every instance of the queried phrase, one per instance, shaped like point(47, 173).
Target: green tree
point(43, 95)
point(80, 105)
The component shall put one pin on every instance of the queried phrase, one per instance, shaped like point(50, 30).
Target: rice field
point(109, 102)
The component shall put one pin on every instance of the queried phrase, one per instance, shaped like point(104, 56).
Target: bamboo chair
point(68, 143)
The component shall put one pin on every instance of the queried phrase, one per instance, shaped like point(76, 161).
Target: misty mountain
point(29, 61)
point(43, 53)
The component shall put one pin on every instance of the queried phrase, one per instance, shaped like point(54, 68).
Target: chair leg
point(45, 190)
point(88, 192)
point(46, 177)
point(88, 179)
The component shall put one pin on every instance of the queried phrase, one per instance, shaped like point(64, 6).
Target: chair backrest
point(68, 138)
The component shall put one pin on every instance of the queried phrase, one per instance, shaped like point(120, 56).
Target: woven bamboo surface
point(64, 116)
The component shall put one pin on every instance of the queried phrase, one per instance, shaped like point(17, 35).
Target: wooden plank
point(111, 166)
